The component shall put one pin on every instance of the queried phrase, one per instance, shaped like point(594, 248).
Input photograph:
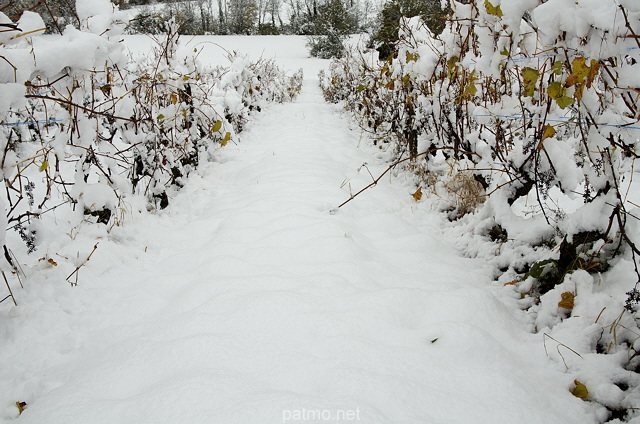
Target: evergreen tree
point(386, 36)
point(331, 26)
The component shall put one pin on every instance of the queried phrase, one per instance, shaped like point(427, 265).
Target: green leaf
point(361, 87)
point(452, 63)
point(412, 57)
point(160, 117)
point(529, 80)
point(564, 101)
point(44, 165)
point(580, 391)
point(555, 90)
point(493, 10)
point(217, 126)
point(557, 67)
point(470, 90)
point(504, 51)
point(541, 268)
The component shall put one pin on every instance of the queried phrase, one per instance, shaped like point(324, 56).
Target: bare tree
point(242, 16)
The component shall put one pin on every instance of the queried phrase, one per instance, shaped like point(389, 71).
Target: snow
point(518, 239)
point(250, 299)
point(290, 50)
point(75, 49)
point(98, 16)
point(30, 21)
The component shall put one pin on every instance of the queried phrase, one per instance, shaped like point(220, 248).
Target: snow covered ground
point(251, 300)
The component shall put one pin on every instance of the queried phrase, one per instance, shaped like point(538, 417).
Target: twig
point(10, 292)
point(86, 109)
point(558, 348)
point(393, 165)
point(75, 272)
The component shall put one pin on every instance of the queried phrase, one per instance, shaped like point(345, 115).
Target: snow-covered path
point(248, 301)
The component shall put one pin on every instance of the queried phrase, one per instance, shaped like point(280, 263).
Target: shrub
point(89, 129)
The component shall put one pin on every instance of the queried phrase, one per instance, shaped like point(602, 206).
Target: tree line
point(329, 20)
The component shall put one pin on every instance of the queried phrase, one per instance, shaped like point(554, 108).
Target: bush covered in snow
point(522, 119)
point(84, 127)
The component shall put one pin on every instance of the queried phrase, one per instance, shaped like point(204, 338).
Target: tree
point(269, 12)
point(185, 15)
point(242, 16)
point(302, 15)
point(362, 13)
point(331, 26)
point(386, 36)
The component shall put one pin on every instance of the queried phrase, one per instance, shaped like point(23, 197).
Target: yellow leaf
point(493, 10)
point(529, 80)
point(579, 67)
point(548, 131)
point(52, 262)
point(174, 98)
point(572, 80)
point(580, 390)
point(217, 126)
point(579, 91)
point(412, 57)
point(418, 194)
point(226, 139)
point(567, 300)
point(593, 72)
point(555, 90)
point(44, 165)
point(21, 407)
point(579, 71)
